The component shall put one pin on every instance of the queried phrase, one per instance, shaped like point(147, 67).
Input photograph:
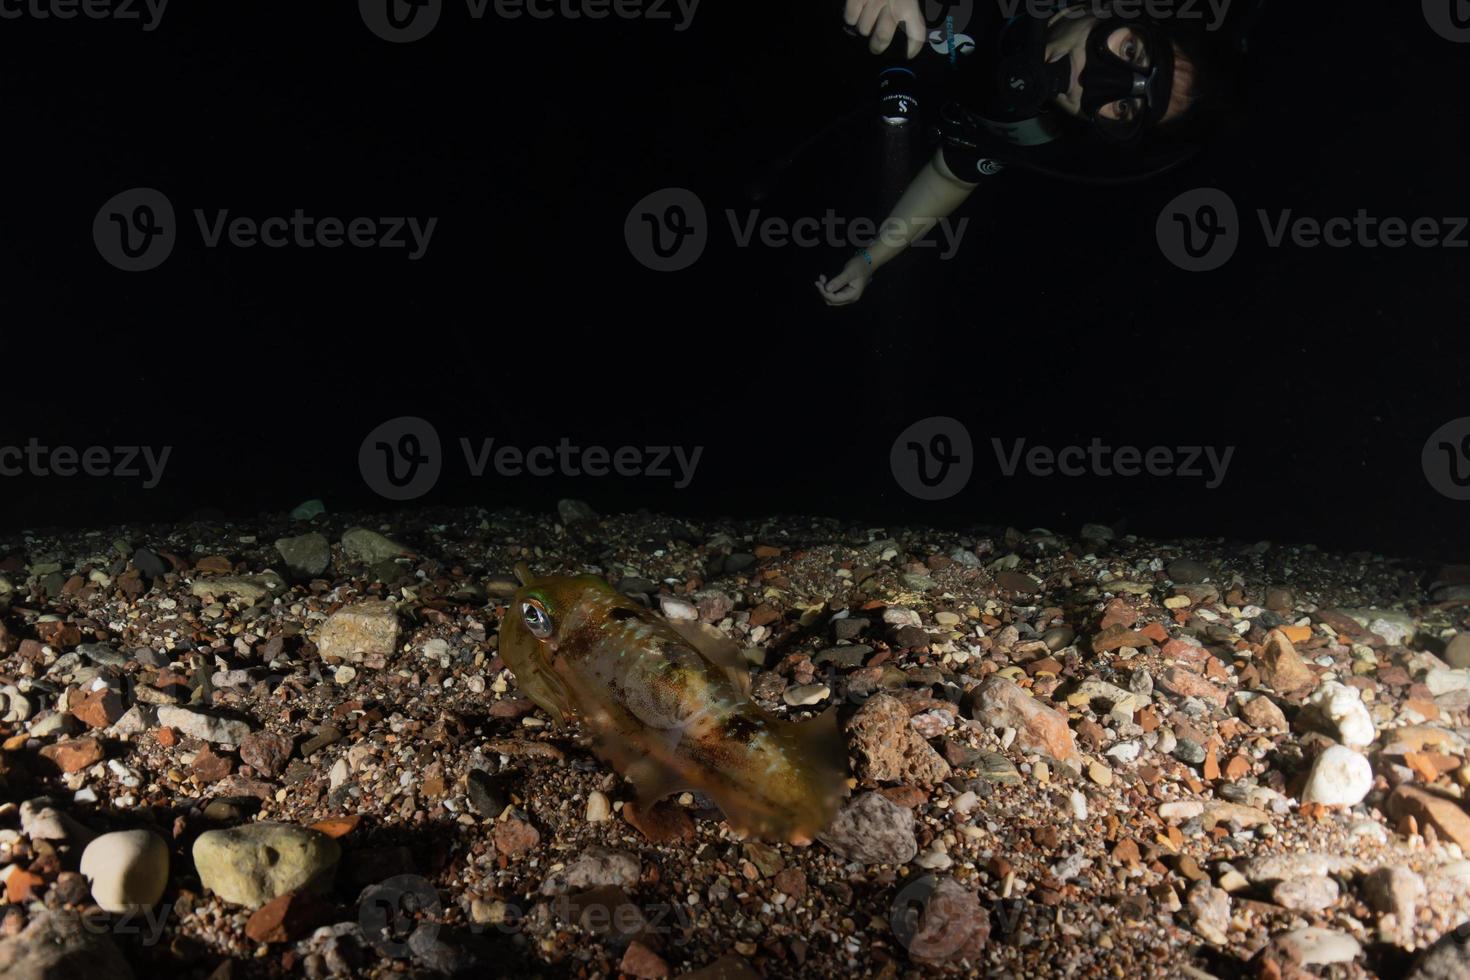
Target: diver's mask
point(1139, 90)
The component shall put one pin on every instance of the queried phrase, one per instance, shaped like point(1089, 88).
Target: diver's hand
point(878, 21)
point(848, 285)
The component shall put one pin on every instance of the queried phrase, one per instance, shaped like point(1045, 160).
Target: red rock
point(640, 961)
point(75, 754)
point(791, 881)
point(1118, 613)
point(214, 565)
point(1155, 632)
point(951, 924)
point(1116, 637)
point(908, 797)
point(513, 837)
point(1445, 813)
point(1001, 703)
point(210, 768)
point(96, 709)
point(1178, 681)
point(58, 634)
point(886, 749)
point(661, 823)
point(23, 886)
point(763, 615)
point(266, 753)
point(288, 917)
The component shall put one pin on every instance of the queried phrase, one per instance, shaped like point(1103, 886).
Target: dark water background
point(529, 321)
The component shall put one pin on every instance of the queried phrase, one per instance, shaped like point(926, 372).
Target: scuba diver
point(1079, 90)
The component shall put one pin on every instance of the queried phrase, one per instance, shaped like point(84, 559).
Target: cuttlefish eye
point(537, 619)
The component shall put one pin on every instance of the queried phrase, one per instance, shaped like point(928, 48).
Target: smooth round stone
point(252, 864)
point(1306, 894)
point(1318, 947)
point(1339, 777)
point(128, 870)
point(806, 694)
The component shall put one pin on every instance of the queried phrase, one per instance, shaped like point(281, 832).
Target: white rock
point(1440, 681)
point(1339, 776)
point(1124, 751)
point(210, 728)
point(805, 694)
point(128, 870)
point(1181, 810)
point(598, 808)
point(1316, 947)
point(677, 609)
point(1343, 706)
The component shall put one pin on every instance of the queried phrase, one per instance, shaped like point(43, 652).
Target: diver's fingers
point(869, 15)
point(883, 32)
point(917, 31)
point(852, 10)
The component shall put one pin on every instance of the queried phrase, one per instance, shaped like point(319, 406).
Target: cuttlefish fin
point(718, 649)
point(652, 781)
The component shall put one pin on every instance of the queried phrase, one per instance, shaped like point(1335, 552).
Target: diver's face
point(1068, 36)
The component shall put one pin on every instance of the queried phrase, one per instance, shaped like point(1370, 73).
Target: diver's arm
point(931, 197)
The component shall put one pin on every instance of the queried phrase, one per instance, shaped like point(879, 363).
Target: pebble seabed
point(1072, 754)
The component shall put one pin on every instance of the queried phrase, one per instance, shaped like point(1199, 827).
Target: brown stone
point(214, 565)
point(791, 881)
point(1013, 581)
point(266, 753)
point(210, 768)
point(1443, 813)
point(1001, 703)
point(1187, 684)
point(1262, 712)
point(96, 709)
point(1282, 668)
point(951, 925)
point(661, 823)
point(288, 917)
point(1117, 637)
point(58, 634)
point(75, 754)
point(514, 836)
point(885, 749)
point(640, 961)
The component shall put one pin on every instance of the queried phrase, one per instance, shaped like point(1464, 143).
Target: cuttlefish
point(668, 705)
